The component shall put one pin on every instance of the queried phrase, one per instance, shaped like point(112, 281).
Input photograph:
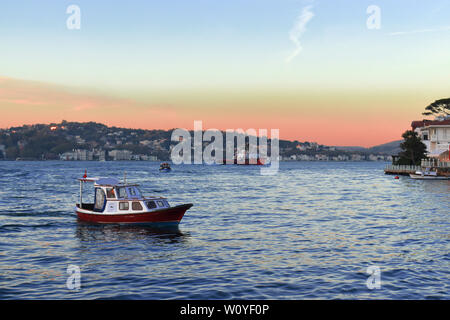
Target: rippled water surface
point(309, 232)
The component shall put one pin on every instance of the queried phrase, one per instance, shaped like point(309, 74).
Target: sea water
point(310, 232)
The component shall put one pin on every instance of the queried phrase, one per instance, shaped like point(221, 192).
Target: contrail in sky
point(298, 29)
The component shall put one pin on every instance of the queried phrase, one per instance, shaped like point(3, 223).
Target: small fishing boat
point(165, 167)
point(123, 203)
point(427, 175)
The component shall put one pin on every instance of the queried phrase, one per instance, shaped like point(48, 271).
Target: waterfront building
point(357, 157)
point(435, 134)
point(119, 155)
point(144, 157)
point(99, 155)
point(83, 155)
point(374, 157)
point(321, 157)
point(77, 155)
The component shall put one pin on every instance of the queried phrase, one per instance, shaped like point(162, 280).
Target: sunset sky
point(312, 69)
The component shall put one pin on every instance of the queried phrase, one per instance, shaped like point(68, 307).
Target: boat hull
point(424, 177)
point(167, 216)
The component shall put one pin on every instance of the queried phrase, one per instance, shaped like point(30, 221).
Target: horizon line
point(222, 130)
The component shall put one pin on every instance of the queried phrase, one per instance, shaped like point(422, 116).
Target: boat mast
point(81, 193)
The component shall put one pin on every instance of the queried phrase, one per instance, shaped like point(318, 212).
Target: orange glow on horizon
point(351, 120)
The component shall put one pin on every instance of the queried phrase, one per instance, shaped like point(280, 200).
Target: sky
point(330, 71)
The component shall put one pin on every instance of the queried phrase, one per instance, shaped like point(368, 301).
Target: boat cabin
point(111, 196)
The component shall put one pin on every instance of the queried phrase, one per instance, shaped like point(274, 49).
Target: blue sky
point(183, 43)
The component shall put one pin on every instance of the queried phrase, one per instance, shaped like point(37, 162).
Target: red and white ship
point(123, 203)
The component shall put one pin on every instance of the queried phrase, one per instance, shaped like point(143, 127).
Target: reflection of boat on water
point(165, 167)
point(123, 203)
point(428, 175)
point(89, 232)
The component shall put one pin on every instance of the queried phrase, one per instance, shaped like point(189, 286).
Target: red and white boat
point(123, 203)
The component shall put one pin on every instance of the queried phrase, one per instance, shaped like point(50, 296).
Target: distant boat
point(123, 203)
point(165, 167)
point(427, 175)
point(245, 162)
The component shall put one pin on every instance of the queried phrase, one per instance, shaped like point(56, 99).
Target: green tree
point(438, 108)
point(414, 150)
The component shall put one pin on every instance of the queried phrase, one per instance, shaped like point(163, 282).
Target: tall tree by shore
point(414, 150)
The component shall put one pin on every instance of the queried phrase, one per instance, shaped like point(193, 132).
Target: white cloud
point(298, 30)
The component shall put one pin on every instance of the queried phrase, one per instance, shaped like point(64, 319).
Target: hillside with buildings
point(391, 148)
point(83, 141)
point(74, 141)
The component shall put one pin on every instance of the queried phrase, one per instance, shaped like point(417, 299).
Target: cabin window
point(122, 193)
point(160, 203)
point(132, 192)
point(136, 205)
point(124, 205)
point(151, 204)
point(425, 137)
point(110, 194)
